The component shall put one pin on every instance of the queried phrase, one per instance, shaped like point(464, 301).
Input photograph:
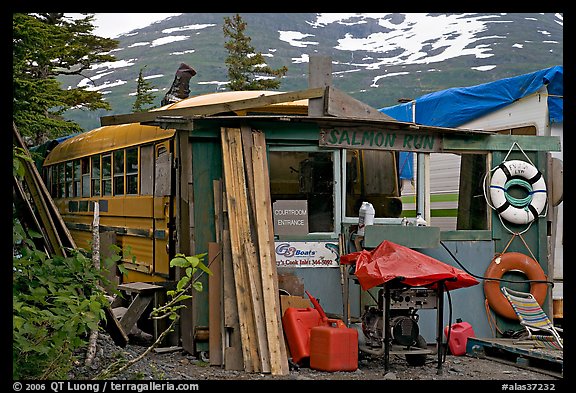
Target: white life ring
point(517, 173)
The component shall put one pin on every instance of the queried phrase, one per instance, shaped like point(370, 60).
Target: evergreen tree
point(45, 46)
point(247, 70)
point(144, 96)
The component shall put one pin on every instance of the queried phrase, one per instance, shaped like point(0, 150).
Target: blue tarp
point(459, 105)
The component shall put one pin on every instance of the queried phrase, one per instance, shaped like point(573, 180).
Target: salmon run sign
point(378, 139)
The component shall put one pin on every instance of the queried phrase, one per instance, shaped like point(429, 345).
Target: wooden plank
point(233, 359)
point(50, 223)
point(242, 248)
point(263, 210)
point(260, 140)
point(254, 263)
point(215, 304)
point(135, 311)
point(287, 301)
point(218, 210)
point(114, 329)
point(319, 76)
point(139, 287)
point(212, 109)
point(544, 360)
point(340, 104)
point(247, 144)
point(219, 228)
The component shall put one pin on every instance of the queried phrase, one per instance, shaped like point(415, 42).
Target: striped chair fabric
point(533, 318)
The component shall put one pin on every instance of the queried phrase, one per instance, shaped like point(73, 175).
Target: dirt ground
point(180, 365)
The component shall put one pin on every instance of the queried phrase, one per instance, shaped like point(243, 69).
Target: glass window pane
point(371, 176)
point(298, 175)
point(85, 162)
point(132, 171)
point(119, 172)
point(96, 175)
point(107, 174)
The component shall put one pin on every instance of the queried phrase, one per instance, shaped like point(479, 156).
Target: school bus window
point(69, 178)
point(96, 175)
point(132, 171)
point(107, 174)
point(119, 172)
point(85, 164)
point(76, 170)
point(146, 169)
point(61, 182)
point(53, 180)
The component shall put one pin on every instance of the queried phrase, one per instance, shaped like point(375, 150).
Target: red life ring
point(512, 261)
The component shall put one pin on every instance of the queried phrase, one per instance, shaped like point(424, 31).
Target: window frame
point(353, 220)
point(336, 187)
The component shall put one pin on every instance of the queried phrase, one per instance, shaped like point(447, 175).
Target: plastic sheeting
point(389, 261)
point(456, 106)
point(459, 105)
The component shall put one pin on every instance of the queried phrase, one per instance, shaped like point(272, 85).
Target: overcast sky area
point(111, 25)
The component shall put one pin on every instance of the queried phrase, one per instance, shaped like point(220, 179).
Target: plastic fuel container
point(334, 347)
point(297, 323)
point(459, 334)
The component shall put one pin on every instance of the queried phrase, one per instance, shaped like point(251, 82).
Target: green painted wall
point(207, 166)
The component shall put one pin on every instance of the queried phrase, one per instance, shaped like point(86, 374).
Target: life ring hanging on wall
point(507, 262)
point(518, 173)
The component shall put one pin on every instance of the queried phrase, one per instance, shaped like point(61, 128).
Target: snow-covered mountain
point(377, 58)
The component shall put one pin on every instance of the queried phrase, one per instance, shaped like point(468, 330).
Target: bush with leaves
point(56, 303)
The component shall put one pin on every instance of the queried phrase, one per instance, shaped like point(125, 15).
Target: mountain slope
point(377, 58)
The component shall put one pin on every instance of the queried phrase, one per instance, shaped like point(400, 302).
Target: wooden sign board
point(378, 139)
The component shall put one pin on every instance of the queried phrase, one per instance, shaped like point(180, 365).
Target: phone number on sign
point(305, 262)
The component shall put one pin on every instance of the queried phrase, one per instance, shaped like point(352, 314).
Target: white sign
point(307, 254)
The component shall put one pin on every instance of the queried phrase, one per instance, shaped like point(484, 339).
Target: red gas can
point(297, 323)
point(334, 347)
point(459, 334)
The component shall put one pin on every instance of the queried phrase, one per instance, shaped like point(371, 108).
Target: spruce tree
point(247, 70)
point(144, 96)
point(45, 46)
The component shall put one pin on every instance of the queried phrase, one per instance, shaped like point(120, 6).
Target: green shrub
point(56, 304)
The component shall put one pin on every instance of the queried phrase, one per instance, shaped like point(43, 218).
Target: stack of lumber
point(251, 335)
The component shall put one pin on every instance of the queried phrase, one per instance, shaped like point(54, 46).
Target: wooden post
point(319, 75)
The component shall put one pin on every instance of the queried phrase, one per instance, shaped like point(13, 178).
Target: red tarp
point(390, 260)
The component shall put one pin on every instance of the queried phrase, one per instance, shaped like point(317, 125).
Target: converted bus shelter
point(273, 199)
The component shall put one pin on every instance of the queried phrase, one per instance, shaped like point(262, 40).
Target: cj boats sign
point(378, 139)
point(306, 254)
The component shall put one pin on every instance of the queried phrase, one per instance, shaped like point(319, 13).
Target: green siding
point(207, 166)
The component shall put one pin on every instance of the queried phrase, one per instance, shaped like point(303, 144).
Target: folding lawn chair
point(532, 317)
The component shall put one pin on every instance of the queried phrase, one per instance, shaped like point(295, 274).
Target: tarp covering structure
point(460, 105)
point(389, 261)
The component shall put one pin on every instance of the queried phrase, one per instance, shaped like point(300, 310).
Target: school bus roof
point(119, 136)
point(104, 139)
